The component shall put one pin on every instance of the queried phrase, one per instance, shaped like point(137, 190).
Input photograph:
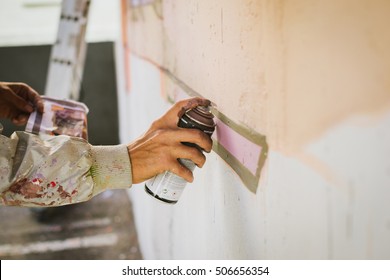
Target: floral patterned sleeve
point(58, 170)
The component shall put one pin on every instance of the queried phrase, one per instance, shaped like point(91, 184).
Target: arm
point(58, 170)
point(159, 148)
point(52, 171)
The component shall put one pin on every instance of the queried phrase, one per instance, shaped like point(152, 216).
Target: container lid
point(201, 115)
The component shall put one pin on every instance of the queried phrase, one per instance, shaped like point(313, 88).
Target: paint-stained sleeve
point(58, 170)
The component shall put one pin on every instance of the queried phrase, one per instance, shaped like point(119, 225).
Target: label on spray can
point(167, 186)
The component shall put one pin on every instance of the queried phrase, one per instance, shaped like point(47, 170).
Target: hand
point(17, 101)
point(160, 147)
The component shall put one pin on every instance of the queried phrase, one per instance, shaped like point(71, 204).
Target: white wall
point(298, 211)
point(319, 91)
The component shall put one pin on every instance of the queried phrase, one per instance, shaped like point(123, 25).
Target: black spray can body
point(167, 186)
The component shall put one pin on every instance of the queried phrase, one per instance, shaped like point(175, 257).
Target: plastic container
point(60, 117)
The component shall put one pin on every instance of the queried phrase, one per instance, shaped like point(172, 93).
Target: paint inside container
point(60, 117)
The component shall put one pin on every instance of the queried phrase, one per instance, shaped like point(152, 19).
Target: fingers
point(194, 136)
point(18, 103)
point(181, 171)
point(173, 164)
point(171, 118)
point(34, 98)
point(20, 120)
point(30, 96)
point(184, 105)
point(159, 151)
point(191, 153)
point(177, 150)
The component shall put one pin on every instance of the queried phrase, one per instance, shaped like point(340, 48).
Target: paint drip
point(167, 186)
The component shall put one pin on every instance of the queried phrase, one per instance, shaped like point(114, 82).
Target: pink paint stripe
point(244, 150)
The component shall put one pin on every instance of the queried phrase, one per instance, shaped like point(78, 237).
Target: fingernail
point(28, 108)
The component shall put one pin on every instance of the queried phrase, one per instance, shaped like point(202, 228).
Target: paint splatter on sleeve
point(58, 170)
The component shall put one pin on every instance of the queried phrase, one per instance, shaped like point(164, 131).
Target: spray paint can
point(167, 186)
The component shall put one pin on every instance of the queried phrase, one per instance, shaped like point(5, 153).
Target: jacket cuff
point(111, 167)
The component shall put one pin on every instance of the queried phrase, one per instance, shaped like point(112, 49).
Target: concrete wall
point(313, 77)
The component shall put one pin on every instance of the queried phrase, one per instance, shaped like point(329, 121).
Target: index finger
point(29, 94)
point(194, 136)
point(188, 104)
point(171, 118)
point(36, 99)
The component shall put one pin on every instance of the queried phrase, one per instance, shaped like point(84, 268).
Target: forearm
point(54, 171)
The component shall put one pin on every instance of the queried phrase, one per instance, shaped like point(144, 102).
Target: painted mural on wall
point(241, 147)
point(309, 81)
point(235, 54)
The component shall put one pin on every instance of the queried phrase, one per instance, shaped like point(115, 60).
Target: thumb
point(20, 120)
